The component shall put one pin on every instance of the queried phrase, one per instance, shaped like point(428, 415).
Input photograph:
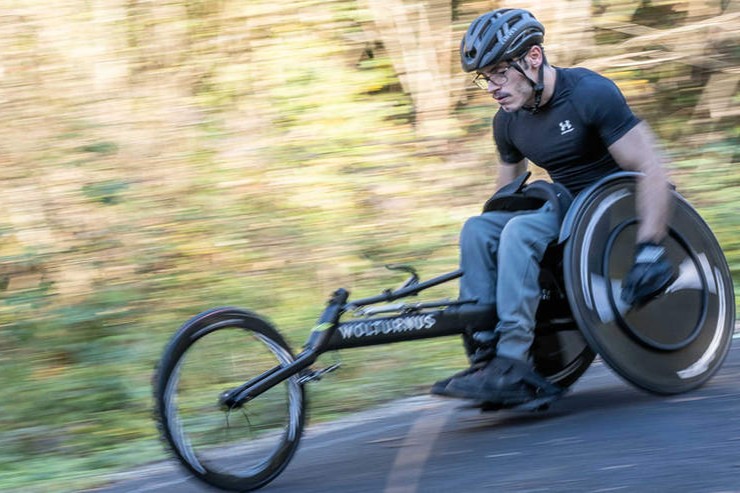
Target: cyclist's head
point(498, 36)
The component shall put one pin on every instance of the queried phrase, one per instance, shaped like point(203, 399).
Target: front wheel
point(238, 449)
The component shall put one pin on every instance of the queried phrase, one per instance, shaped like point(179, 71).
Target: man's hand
point(650, 274)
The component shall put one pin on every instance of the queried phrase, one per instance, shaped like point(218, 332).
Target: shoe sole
point(537, 404)
point(505, 397)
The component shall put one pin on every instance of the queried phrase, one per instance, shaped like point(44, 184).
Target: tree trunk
point(418, 37)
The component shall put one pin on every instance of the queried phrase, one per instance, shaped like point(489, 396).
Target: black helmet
point(499, 35)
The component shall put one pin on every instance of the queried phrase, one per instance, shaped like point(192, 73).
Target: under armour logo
point(565, 127)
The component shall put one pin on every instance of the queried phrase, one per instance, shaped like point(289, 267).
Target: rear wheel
point(561, 354)
point(559, 351)
point(242, 448)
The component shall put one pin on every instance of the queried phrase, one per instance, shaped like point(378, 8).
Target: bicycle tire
point(206, 357)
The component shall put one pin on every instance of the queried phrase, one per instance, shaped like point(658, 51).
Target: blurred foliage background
point(163, 157)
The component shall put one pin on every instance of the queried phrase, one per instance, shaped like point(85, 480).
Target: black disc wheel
point(675, 342)
point(560, 353)
point(237, 448)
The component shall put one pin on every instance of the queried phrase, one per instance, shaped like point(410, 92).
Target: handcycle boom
point(330, 334)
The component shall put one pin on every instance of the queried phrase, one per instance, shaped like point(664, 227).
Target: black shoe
point(480, 358)
point(504, 381)
point(440, 387)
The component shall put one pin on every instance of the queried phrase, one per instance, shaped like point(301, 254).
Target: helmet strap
point(538, 86)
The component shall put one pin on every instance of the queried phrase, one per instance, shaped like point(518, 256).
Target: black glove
point(650, 274)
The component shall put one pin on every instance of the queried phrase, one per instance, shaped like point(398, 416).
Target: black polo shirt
point(570, 134)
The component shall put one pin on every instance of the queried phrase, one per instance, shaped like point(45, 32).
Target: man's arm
point(508, 171)
point(652, 271)
point(637, 150)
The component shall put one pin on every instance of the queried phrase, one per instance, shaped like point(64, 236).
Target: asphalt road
point(605, 436)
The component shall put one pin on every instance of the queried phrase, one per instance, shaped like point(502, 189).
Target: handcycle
point(235, 422)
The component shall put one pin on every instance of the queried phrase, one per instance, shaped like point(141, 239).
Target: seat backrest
point(521, 196)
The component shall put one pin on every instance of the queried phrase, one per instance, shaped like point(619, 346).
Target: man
point(576, 125)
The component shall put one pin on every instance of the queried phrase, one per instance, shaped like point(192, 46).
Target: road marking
point(562, 441)
point(507, 454)
point(692, 399)
point(414, 452)
point(621, 466)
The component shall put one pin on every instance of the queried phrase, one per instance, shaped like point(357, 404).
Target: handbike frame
point(413, 321)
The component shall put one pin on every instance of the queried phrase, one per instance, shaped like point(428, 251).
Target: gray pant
point(500, 254)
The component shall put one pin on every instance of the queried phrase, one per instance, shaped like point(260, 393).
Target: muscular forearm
point(638, 151)
point(653, 204)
